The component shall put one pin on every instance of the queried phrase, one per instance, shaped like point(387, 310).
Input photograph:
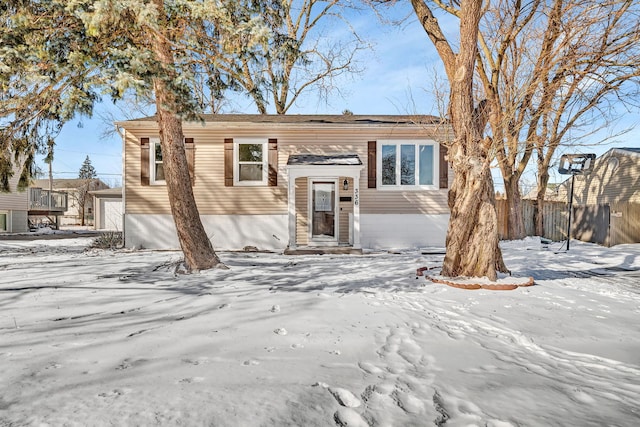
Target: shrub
point(108, 240)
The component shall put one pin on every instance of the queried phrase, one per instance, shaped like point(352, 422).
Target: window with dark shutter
point(273, 162)
point(189, 148)
point(144, 161)
point(444, 167)
point(228, 162)
point(371, 164)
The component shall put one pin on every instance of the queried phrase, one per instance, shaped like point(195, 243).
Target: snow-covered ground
point(91, 337)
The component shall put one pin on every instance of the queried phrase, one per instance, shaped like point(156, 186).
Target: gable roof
point(635, 150)
point(108, 192)
point(63, 183)
point(324, 160)
point(309, 119)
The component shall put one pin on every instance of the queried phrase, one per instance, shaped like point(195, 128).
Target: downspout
point(123, 134)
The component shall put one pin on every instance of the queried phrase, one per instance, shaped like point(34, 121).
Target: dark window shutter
point(228, 162)
point(144, 161)
point(444, 167)
point(371, 164)
point(273, 162)
point(190, 151)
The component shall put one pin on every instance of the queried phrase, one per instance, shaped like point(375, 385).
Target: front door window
point(323, 210)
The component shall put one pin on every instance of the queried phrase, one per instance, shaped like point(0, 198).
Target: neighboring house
point(295, 182)
point(108, 209)
point(606, 201)
point(615, 178)
point(18, 208)
point(14, 207)
point(549, 194)
point(74, 188)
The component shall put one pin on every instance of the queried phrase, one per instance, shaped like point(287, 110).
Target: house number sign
point(356, 197)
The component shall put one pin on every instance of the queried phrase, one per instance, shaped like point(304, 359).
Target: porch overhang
point(301, 165)
point(324, 166)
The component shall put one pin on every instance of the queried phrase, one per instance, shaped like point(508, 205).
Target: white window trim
point(152, 163)
point(311, 241)
point(415, 142)
point(236, 162)
point(7, 223)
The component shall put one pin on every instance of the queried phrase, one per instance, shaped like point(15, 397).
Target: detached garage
point(108, 209)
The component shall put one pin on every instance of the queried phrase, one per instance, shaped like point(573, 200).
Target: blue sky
point(396, 80)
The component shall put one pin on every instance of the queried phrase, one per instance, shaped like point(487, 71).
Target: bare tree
point(472, 238)
point(593, 73)
point(547, 68)
point(296, 56)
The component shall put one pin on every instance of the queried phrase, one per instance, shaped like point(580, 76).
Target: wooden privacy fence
point(555, 216)
point(607, 225)
point(624, 223)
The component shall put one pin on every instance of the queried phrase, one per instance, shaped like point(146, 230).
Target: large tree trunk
point(515, 218)
point(472, 238)
point(538, 207)
point(196, 246)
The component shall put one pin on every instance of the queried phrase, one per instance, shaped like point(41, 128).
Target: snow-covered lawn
point(93, 337)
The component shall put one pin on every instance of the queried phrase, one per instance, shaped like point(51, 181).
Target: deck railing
point(39, 200)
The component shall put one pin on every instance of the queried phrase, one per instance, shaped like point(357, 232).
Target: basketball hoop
point(575, 164)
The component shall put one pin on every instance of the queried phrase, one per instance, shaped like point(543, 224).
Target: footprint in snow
point(579, 395)
point(116, 392)
point(195, 362)
point(345, 397)
point(250, 362)
point(128, 363)
point(275, 308)
point(370, 368)
point(408, 402)
point(346, 417)
point(191, 380)
point(53, 365)
point(280, 331)
point(296, 346)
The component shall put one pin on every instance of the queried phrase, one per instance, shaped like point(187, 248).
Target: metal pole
point(50, 193)
point(570, 209)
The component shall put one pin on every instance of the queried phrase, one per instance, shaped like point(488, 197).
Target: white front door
point(324, 218)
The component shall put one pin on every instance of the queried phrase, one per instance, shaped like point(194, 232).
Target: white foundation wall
point(227, 232)
point(401, 231)
point(19, 221)
point(16, 221)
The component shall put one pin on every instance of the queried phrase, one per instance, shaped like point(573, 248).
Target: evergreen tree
point(87, 171)
point(88, 176)
point(60, 57)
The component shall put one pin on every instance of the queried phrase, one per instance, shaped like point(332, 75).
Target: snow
point(93, 337)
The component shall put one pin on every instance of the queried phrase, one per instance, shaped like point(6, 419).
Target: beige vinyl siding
point(210, 192)
point(344, 209)
point(404, 202)
point(302, 211)
point(213, 197)
point(611, 181)
point(15, 200)
point(19, 221)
